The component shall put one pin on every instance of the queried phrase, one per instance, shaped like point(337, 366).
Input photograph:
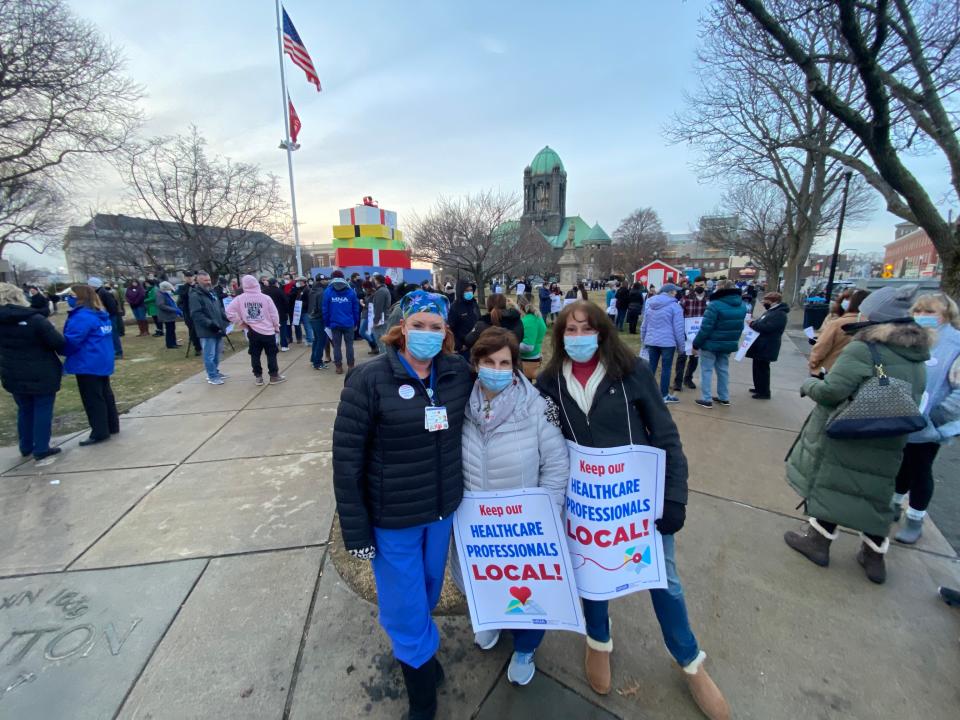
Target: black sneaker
point(722, 402)
point(677, 388)
point(704, 403)
point(690, 384)
point(950, 596)
point(47, 453)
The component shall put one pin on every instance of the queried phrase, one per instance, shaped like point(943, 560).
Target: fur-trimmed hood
point(903, 337)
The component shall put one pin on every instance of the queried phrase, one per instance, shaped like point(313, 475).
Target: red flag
point(294, 122)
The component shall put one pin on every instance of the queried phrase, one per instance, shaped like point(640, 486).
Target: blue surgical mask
point(468, 296)
point(72, 301)
point(927, 321)
point(495, 380)
point(424, 344)
point(580, 348)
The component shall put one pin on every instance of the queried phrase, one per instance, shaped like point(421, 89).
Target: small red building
point(657, 273)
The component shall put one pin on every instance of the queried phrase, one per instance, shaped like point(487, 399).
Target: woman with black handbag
point(847, 478)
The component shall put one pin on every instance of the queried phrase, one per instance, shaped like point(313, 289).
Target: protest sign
point(691, 326)
point(297, 311)
point(613, 498)
point(226, 304)
point(749, 336)
point(514, 561)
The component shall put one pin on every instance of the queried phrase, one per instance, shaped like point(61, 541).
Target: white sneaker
point(215, 381)
point(486, 639)
point(284, 349)
point(521, 669)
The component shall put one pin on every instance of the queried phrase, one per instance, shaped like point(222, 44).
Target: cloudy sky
point(428, 98)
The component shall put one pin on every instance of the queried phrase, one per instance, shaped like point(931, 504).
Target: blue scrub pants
point(409, 569)
point(668, 605)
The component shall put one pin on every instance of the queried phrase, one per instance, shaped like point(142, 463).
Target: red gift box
point(350, 257)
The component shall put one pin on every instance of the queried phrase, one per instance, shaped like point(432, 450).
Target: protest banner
point(613, 498)
point(297, 311)
point(226, 304)
point(514, 562)
point(691, 326)
point(749, 336)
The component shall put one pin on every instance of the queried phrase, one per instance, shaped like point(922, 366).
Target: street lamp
point(847, 174)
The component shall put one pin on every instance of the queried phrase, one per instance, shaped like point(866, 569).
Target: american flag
point(293, 46)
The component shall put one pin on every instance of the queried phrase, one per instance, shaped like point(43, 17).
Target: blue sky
point(428, 98)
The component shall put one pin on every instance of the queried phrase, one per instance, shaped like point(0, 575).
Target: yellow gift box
point(345, 232)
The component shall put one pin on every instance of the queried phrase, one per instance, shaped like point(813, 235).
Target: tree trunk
point(950, 281)
point(773, 277)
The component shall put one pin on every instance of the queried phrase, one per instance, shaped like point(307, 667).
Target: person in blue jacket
point(89, 351)
point(341, 313)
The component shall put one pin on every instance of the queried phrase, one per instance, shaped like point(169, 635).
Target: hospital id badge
point(435, 418)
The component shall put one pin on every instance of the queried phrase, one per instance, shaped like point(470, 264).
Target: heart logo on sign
point(521, 593)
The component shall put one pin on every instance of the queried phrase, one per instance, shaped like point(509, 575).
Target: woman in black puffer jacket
point(397, 483)
point(499, 314)
point(29, 368)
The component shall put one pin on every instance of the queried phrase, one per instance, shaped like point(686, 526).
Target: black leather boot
point(421, 685)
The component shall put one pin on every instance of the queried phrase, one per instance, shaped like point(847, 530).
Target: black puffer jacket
point(388, 471)
point(28, 352)
point(509, 320)
point(650, 420)
point(770, 325)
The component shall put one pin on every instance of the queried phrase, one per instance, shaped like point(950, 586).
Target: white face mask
point(845, 304)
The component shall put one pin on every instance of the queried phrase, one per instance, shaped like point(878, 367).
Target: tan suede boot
point(597, 665)
point(704, 690)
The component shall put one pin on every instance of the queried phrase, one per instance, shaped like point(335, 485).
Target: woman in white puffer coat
point(511, 439)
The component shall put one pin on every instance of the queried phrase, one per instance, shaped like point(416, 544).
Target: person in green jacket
point(150, 303)
point(534, 330)
point(850, 482)
point(719, 336)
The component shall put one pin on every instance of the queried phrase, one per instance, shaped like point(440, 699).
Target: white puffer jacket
point(519, 446)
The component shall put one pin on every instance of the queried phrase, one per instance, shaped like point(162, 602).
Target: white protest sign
point(691, 326)
point(613, 498)
point(749, 336)
point(297, 312)
point(810, 333)
point(645, 354)
point(226, 304)
point(514, 562)
point(521, 288)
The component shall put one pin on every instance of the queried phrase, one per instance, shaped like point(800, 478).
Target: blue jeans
point(139, 312)
point(621, 316)
point(408, 569)
point(285, 336)
point(211, 356)
point(319, 342)
point(656, 353)
point(34, 420)
point(709, 361)
point(346, 336)
point(526, 641)
point(307, 328)
point(669, 607)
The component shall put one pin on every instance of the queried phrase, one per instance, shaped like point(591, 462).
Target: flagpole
point(287, 143)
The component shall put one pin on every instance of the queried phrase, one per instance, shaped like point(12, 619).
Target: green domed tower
point(544, 193)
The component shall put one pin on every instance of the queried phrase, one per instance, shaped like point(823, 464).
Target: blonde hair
point(12, 295)
point(938, 302)
point(87, 297)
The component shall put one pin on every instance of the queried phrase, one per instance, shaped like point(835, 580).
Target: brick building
point(912, 253)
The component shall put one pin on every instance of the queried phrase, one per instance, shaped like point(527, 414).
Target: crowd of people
point(459, 396)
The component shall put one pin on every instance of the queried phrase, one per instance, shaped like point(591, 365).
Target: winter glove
point(674, 515)
point(367, 553)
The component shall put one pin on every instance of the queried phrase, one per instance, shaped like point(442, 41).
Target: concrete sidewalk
point(182, 570)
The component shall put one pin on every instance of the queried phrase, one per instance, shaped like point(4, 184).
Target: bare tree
point(903, 59)
point(637, 240)
point(63, 98)
point(218, 211)
point(477, 236)
point(761, 231)
point(754, 121)
point(31, 209)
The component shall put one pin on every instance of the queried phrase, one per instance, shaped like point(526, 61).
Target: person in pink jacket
point(257, 314)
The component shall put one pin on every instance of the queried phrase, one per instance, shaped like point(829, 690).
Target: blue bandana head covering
point(423, 301)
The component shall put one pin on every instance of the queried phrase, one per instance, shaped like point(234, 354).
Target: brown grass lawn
point(147, 369)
